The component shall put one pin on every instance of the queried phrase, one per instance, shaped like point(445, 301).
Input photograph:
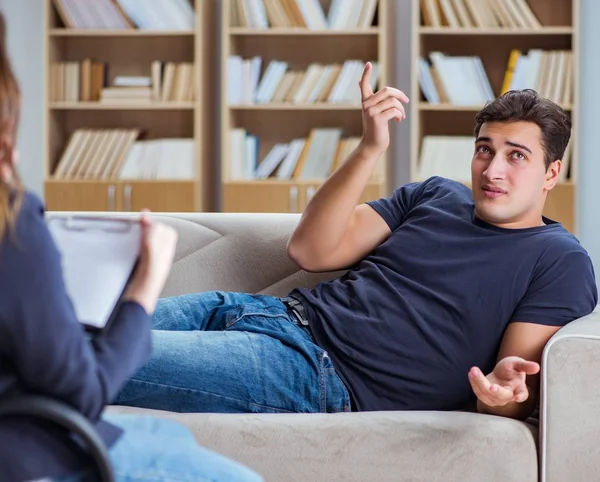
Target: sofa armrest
point(570, 391)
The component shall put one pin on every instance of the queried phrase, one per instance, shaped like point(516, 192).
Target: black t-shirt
point(406, 324)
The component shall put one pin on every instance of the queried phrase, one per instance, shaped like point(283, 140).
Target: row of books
point(303, 13)
point(173, 81)
point(314, 157)
point(126, 14)
point(77, 81)
point(462, 80)
point(549, 72)
point(88, 81)
point(451, 156)
point(478, 13)
point(99, 154)
point(334, 83)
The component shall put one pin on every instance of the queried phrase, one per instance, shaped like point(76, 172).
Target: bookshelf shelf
point(123, 107)
point(290, 31)
point(284, 196)
point(519, 32)
point(426, 106)
point(123, 181)
point(296, 107)
point(460, 63)
point(277, 182)
point(291, 108)
point(68, 32)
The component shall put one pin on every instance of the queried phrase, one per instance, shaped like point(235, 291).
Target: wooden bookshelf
point(284, 115)
point(170, 127)
point(491, 30)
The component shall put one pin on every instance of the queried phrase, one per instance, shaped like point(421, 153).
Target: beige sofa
point(247, 253)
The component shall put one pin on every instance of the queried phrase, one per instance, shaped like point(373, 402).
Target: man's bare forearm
point(328, 214)
point(324, 238)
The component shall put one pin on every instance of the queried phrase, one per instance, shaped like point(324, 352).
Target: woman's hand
point(157, 250)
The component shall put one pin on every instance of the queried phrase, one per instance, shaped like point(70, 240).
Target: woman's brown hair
point(10, 107)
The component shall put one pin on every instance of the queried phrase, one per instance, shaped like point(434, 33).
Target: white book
point(250, 156)
point(287, 166)
point(272, 82)
point(426, 82)
point(271, 160)
point(234, 79)
point(237, 139)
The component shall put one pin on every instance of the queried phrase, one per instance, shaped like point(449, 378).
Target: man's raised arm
point(334, 231)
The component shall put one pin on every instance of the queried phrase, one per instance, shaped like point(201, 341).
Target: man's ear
point(552, 174)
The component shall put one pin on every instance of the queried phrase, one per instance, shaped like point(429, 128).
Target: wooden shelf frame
point(295, 107)
point(361, 32)
point(560, 29)
point(501, 31)
point(122, 106)
point(130, 52)
point(72, 32)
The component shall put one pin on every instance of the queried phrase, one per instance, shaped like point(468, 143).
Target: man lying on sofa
point(449, 297)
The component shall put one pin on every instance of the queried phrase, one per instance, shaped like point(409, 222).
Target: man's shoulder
point(563, 261)
point(447, 194)
point(559, 243)
point(436, 186)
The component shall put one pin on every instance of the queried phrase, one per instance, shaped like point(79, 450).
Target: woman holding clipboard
point(44, 349)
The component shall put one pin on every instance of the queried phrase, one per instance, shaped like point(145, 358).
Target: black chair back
point(54, 411)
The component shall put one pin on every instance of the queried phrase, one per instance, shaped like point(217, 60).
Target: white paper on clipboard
point(98, 257)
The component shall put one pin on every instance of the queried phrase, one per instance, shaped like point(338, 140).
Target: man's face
point(508, 174)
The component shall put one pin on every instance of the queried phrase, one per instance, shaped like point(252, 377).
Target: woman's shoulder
point(29, 229)
point(30, 213)
point(32, 203)
point(26, 248)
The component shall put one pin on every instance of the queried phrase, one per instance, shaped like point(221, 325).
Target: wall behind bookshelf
point(466, 52)
point(124, 105)
point(290, 102)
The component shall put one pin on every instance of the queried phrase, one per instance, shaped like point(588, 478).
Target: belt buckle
point(292, 303)
point(301, 319)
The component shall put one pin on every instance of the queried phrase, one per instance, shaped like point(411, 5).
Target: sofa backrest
point(236, 252)
point(232, 252)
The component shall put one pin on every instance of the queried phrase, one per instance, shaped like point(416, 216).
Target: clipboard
point(98, 257)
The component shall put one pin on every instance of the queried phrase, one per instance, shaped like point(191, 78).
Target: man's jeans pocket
point(278, 321)
point(334, 394)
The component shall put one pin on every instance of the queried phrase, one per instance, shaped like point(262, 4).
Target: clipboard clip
point(87, 223)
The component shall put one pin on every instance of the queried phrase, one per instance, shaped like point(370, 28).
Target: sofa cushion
point(370, 446)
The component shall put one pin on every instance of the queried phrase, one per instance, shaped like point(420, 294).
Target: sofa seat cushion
point(370, 446)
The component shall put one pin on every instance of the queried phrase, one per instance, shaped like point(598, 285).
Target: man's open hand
point(377, 110)
point(506, 384)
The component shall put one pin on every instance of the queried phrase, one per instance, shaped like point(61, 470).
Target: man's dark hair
point(526, 105)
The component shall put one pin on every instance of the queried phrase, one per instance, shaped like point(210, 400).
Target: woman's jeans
point(154, 449)
point(234, 352)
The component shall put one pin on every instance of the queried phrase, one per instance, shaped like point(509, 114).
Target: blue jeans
point(234, 352)
point(154, 449)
